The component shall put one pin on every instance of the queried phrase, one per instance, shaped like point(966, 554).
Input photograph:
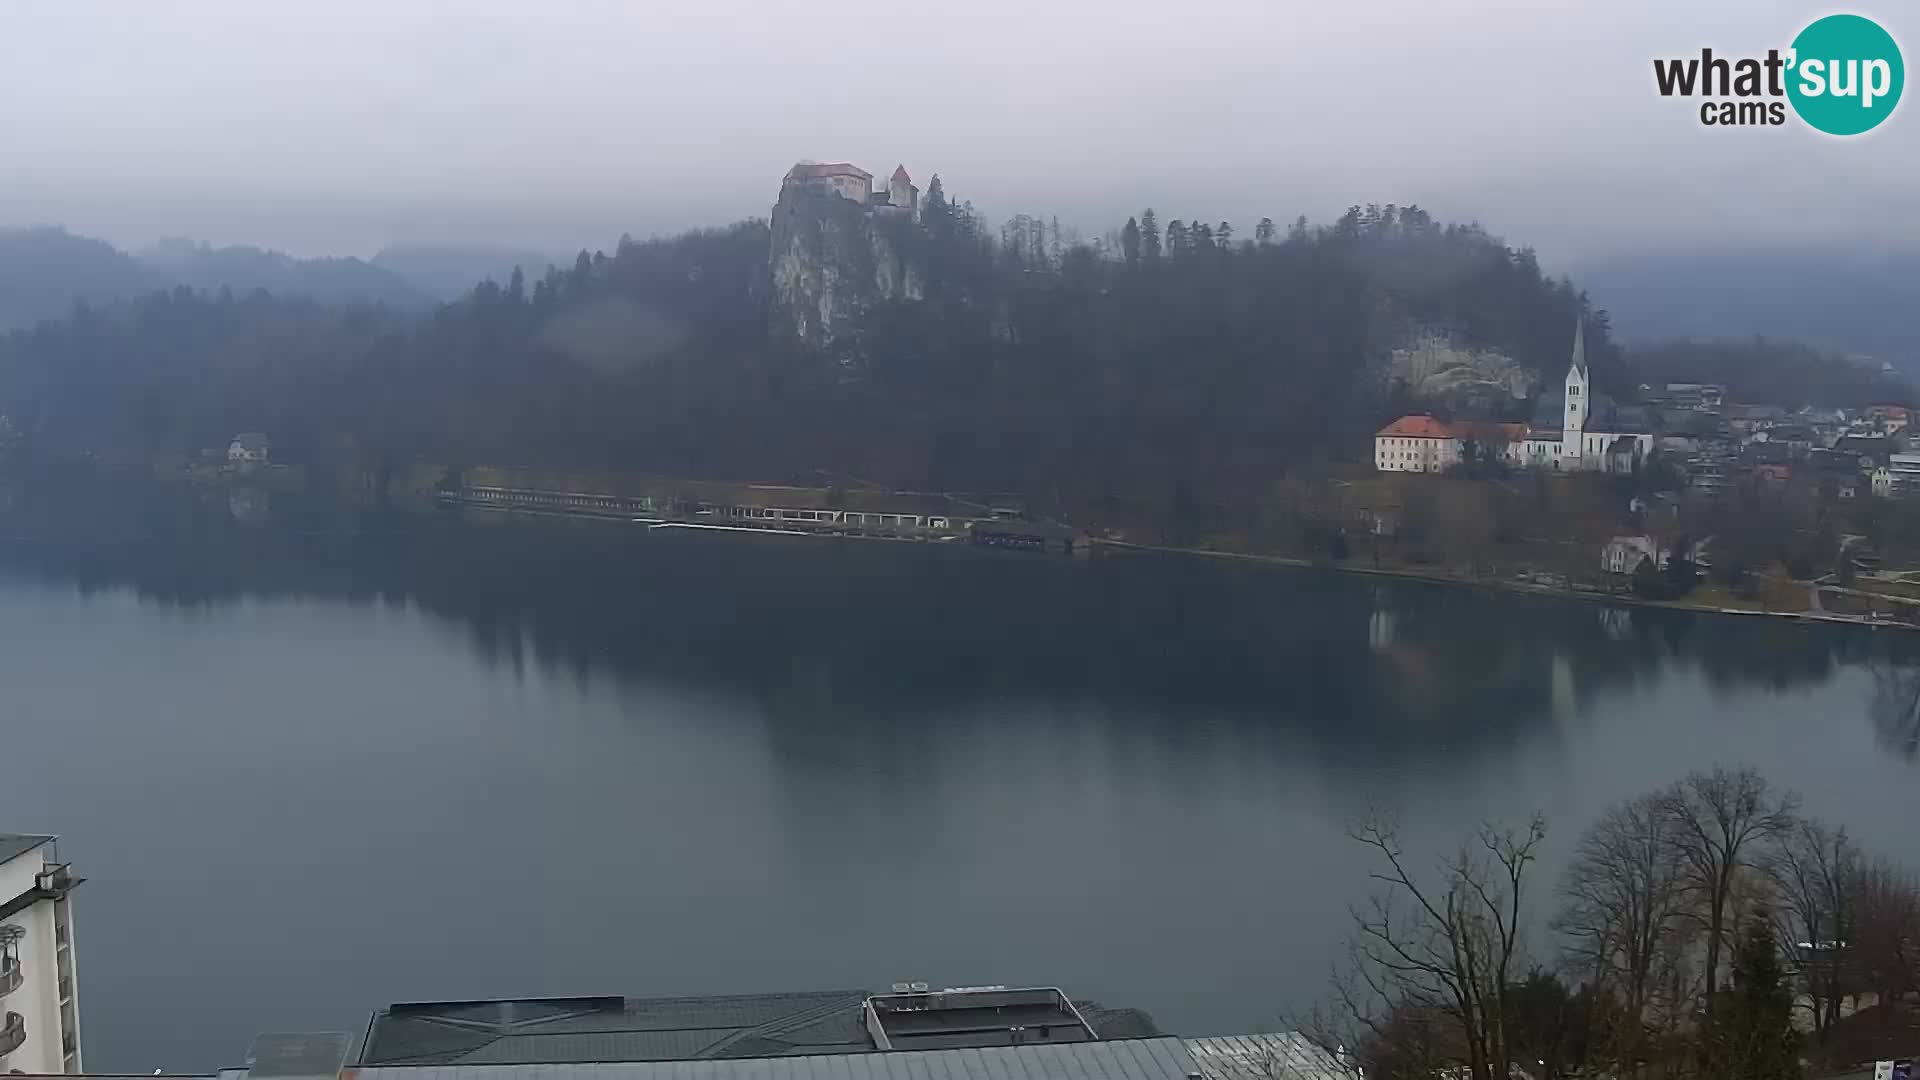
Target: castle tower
point(901, 194)
point(1578, 402)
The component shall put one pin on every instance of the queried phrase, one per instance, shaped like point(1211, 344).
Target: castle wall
point(849, 187)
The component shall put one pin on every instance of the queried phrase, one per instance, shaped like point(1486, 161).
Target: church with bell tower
point(1585, 431)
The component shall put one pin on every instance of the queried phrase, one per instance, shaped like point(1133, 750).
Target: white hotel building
point(39, 999)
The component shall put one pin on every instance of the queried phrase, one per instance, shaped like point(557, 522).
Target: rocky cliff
point(1436, 367)
point(832, 259)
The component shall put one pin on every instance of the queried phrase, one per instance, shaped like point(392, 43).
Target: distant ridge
point(45, 270)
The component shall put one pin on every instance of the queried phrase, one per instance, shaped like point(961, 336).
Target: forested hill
point(45, 271)
point(1759, 369)
point(1183, 366)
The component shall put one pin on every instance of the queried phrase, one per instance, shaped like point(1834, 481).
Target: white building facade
point(39, 993)
point(1416, 444)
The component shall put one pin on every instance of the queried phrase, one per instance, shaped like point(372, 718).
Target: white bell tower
point(1578, 402)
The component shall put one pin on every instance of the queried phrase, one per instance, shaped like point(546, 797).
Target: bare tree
point(1432, 957)
point(1626, 921)
point(1815, 872)
point(1721, 821)
point(1887, 908)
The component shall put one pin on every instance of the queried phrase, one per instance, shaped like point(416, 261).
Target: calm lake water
point(307, 775)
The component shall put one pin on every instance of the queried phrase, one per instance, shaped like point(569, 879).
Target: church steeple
point(1577, 404)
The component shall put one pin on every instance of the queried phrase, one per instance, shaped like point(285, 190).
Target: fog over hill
point(46, 270)
point(1844, 299)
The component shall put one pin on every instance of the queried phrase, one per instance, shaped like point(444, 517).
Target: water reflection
point(866, 632)
point(766, 763)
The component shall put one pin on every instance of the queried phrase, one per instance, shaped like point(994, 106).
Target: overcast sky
point(338, 126)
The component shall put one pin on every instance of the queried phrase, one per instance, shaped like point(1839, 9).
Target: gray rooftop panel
point(1124, 1059)
point(297, 1056)
point(552, 1031)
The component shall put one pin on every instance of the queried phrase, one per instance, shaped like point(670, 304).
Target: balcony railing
point(10, 975)
point(12, 1033)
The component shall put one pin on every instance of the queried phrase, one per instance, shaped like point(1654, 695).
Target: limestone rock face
point(1437, 368)
point(832, 259)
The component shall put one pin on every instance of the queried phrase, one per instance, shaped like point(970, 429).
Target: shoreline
point(1503, 585)
point(1096, 546)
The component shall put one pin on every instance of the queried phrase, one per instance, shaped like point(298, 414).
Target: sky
point(339, 127)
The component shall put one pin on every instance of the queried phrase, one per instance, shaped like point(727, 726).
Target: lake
point(308, 774)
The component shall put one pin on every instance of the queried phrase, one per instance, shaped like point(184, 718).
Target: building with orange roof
point(1416, 443)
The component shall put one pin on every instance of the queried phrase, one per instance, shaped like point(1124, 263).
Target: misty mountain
point(448, 271)
point(45, 270)
point(1846, 301)
point(243, 268)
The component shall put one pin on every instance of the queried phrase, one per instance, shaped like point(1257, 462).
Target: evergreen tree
point(1223, 234)
point(1263, 232)
point(1749, 1033)
point(1130, 241)
point(1149, 235)
point(934, 211)
point(1176, 237)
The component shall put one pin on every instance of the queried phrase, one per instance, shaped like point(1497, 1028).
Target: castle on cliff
point(853, 182)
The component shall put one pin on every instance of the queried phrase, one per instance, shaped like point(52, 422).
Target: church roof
point(900, 173)
point(1579, 346)
point(1604, 416)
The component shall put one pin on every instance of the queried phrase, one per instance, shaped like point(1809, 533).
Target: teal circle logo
point(1846, 75)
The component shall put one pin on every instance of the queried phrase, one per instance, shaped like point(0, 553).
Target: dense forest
point(1174, 363)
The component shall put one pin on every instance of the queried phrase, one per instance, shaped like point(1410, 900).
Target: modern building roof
point(1121, 1059)
point(14, 845)
point(549, 1031)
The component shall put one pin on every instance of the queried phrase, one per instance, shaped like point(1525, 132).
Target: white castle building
point(1579, 430)
point(852, 182)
